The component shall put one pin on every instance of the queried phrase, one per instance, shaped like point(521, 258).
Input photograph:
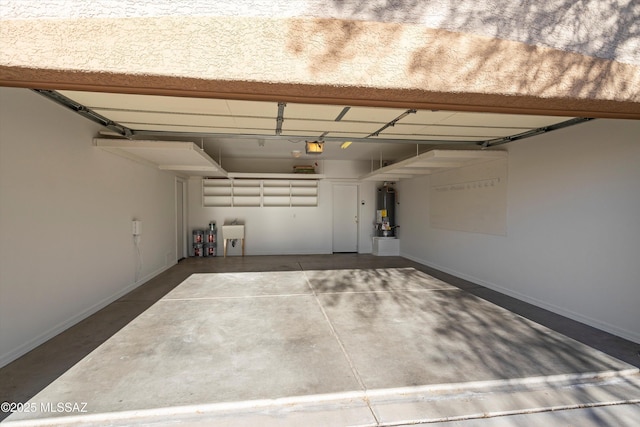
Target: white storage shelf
point(256, 193)
point(216, 192)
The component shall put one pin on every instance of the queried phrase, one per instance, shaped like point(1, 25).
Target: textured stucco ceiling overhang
point(310, 60)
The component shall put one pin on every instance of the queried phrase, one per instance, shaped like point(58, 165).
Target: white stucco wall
point(66, 206)
point(573, 227)
point(602, 28)
point(566, 58)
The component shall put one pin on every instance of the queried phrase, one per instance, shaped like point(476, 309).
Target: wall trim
point(604, 326)
point(23, 349)
point(275, 253)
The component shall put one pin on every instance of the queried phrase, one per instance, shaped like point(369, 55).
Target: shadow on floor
point(28, 375)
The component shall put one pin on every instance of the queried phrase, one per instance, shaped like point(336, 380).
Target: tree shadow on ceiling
point(565, 52)
point(607, 30)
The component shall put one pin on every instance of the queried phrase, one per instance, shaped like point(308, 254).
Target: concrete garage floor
point(324, 340)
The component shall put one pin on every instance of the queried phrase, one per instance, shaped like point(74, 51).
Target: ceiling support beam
point(146, 134)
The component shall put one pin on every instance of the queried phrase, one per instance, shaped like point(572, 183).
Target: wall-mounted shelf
point(216, 192)
point(259, 193)
point(304, 193)
point(246, 192)
point(276, 192)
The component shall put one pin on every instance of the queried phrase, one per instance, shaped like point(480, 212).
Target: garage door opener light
point(314, 147)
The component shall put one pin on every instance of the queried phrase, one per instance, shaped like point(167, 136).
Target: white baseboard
point(604, 326)
point(276, 252)
point(12, 355)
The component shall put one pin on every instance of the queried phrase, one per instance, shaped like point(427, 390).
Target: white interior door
point(345, 218)
point(181, 226)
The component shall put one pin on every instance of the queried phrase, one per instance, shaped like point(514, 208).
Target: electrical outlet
point(137, 227)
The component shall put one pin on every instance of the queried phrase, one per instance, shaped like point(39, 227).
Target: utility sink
point(233, 231)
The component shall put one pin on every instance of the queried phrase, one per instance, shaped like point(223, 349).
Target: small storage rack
point(205, 242)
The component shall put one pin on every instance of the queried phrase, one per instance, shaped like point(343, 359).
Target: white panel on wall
point(472, 198)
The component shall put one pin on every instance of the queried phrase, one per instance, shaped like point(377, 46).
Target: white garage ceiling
point(255, 129)
point(224, 129)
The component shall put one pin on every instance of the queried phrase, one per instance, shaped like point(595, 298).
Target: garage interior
point(507, 293)
point(338, 339)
